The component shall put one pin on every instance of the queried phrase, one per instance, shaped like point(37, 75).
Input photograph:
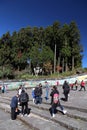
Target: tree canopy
point(38, 45)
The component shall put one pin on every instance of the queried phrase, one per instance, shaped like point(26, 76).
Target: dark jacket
point(66, 86)
point(52, 94)
point(14, 102)
point(38, 91)
point(22, 95)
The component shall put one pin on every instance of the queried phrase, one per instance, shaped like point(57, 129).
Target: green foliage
point(40, 56)
point(38, 45)
point(6, 72)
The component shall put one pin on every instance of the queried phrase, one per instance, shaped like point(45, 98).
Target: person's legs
point(66, 95)
point(53, 111)
point(46, 94)
point(26, 108)
point(13, 114)
point(76, 87)
point(40, 99)
point(33, 100)
point(37, 100)
point(80, 88)
point(62, 108)
point(22, 111)
point(84, 88)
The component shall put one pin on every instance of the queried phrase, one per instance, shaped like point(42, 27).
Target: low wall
point(32, 83)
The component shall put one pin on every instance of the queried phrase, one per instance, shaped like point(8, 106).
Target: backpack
point(55, 98)
point(23, 98)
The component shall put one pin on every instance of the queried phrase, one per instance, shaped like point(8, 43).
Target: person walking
point(76, 84)
point(33, 95)
point(55, 102)
point(66, 90)
point(14, 106)
point(82, 86)
point(24, 98)
point(47, 90)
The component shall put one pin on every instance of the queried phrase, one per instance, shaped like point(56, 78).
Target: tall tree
point(56, 43)
point(5, 53)
point(22, 42)
point(65, 48)
point(75, 45)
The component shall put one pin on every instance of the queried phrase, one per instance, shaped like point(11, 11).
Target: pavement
point(77, 99)
point(7, 124)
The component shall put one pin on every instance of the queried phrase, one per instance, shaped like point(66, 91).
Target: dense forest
point(55, 48)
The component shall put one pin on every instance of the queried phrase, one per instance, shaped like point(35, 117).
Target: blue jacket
point(33, 95)
point(14, 102)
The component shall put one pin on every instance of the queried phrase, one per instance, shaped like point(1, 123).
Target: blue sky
point(15, 14)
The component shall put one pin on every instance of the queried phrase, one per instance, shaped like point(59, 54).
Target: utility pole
point(55, 59)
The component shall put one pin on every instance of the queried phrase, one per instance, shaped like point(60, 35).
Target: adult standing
point(3, 88)
point(47, 90)
point(82, 85)
point(66, 90)
point(76, 84)
point(24, 98)
point(33, 95)
point(38, 93)
point(14, 107)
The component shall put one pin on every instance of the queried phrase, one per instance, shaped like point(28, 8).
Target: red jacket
point(82, 83)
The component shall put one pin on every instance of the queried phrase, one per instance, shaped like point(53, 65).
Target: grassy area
point(27, 76)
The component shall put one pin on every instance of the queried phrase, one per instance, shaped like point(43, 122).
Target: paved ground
point(76, 99)
point(7, 124)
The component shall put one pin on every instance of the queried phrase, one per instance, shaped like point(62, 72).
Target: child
point(33, 95)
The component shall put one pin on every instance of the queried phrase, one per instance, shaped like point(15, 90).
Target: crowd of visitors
point(22, 97)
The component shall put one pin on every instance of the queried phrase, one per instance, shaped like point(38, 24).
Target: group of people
point(23, 98)
point(37, 93)
point(76, 84)
point(55, 102)
point(66, 88)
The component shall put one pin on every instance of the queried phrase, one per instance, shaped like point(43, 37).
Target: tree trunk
point(55, 59)
point(72, 62)
point(66, 67)
point(58, 63)
point(63, 65)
